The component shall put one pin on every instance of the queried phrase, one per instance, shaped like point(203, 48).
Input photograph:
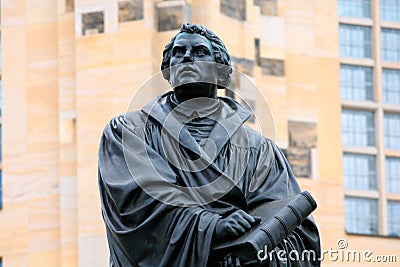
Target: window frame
point(385, 9)
point(349, 47)
point(352, 6)
point(350, 87)
point(390, 44)
point(353, 133)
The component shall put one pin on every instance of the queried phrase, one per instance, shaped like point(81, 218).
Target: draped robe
point(163, 226)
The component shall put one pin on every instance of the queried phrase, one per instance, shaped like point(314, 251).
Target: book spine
point(287, 219)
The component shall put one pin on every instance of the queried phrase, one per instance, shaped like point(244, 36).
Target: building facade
point(329, 70)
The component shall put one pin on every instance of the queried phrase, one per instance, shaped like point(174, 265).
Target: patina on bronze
point(140, 151)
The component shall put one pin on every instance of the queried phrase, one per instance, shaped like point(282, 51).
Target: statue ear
point(166, 73)
point(224, 75)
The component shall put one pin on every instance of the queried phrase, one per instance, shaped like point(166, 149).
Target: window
point(359, 171)
point(92, 23)
point(170, 17)
point(69, 5)
point(233, 8)
point(1, 145)
point(267, 7)
point(302, 140)
point(358, 128)
point(393, 208)
point(356, 82)
point(1, 53)
point(355, 8)
point(355, 41)
point(1, 142)
point(272, 67)
point(391, 45)
point(1, 97)
point(393, 175)
point(390, 10)
point(370, 159)
point(391, 86)
point(129, 10)
point(1, 191)
point(361, 215)
point(392, 130)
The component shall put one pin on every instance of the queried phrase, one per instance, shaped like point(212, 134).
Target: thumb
point(257, 219)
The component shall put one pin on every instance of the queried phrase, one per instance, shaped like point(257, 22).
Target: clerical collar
point(195, 108)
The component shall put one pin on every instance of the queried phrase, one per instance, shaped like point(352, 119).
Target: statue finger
point(237, 262)
point(245, 216)
point(244, 223)
point(229, 260)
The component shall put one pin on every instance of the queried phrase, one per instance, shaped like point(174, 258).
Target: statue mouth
point(187, 69)
point(188, 72)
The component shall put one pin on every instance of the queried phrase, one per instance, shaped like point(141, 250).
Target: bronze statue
point(182, 173)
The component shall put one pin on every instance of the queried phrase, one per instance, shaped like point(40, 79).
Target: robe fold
point(162, 192)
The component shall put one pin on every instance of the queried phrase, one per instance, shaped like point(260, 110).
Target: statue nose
point(187, 57)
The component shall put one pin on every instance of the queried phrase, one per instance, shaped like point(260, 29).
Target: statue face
point(187, 50)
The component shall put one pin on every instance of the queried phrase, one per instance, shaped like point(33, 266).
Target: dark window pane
point(361, 215)
point(358, 128)
point(272, 67)
point(69, 5)
point(129, 10)
point(233, 8)
point(356, 82)
point(170, 18)
point(267, 7)
point(355, 41)
point(359, 171)
point(92, 23)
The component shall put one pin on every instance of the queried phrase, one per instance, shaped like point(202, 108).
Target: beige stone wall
point(60, 87)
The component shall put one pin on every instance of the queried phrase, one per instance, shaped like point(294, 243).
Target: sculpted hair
point(221, 55)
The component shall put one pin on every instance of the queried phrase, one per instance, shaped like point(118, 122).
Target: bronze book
point(278, 219)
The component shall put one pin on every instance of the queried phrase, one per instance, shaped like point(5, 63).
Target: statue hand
point(235, 225)
point(230, 261)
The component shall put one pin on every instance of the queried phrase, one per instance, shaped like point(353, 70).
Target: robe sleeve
point(141, 230)
point(273, 179)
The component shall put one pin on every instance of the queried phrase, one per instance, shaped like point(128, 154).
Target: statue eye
point(178, 52)
point(201, 52)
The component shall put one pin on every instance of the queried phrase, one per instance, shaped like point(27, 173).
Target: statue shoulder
point(256, 139)
point(134, 119)
point(135, 122)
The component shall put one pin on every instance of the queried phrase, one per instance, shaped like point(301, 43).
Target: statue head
point(219, 53)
